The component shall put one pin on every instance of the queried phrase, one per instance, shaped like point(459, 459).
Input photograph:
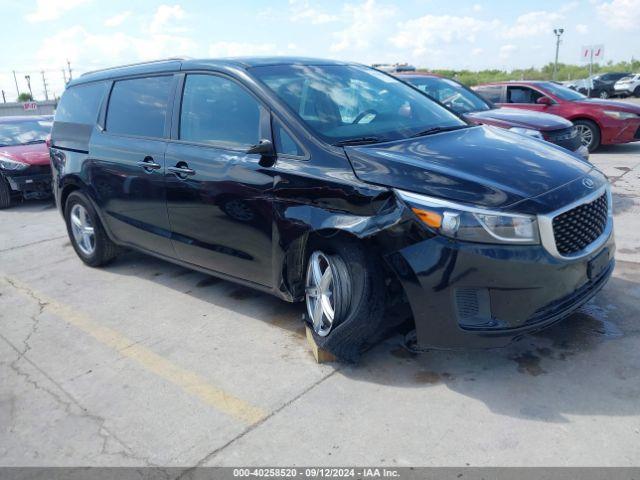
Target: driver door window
point(522, 95)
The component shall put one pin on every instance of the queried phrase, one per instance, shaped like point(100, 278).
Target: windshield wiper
point(357, 141)
point(432, 130)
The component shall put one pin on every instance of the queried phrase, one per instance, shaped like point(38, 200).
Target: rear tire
point(357, 299)
point(87, 235)
point(5, 193)
point(603, 94)
point(589, 134)
point(636, 92)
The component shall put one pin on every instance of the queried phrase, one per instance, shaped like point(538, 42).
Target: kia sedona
point(477, 110)
point(336, 185)
point(25, 171)
point(599, 122)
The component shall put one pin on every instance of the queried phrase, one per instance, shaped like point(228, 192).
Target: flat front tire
point(345, 297)
point(86, 233)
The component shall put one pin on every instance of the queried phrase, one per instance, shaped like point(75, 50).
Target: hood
point(483, 166)
point(33, 154)
point(514, 117)
point(611, 104)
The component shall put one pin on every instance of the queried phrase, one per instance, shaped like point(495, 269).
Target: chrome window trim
point(545, 224)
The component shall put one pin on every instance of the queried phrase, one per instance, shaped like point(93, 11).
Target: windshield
point(562, 92)
point(450, 93)
point(343, 102)
point(21, 132)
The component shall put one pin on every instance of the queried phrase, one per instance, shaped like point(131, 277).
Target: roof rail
point(149, 62)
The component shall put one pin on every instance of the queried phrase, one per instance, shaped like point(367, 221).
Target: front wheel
point(5, 193)
point(86, 233)
point(636, 92)
point(603, 94)
point(344, 295)
point(589, 134)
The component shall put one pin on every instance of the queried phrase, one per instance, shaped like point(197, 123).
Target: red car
point(25, 170)
point(599, 122)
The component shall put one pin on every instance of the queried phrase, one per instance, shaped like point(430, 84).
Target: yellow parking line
point(186, 380)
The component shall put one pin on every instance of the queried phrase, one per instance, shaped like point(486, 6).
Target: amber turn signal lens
point(432, 219)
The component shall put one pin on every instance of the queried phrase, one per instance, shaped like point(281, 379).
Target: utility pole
point(44, 84)
point(64, 75)
point(558, 33)
point(4, 99)
point(15, 79)
point(69, 67)
point(28, 79)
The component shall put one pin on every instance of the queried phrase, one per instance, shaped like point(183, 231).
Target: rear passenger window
point(522, 95)
point(139, 106)
point(219, 111)
point(285, 144)
point(493, 93)
point(80, 104)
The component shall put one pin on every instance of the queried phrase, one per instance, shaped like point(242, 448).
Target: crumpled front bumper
point(466, 295)
point(30, 185)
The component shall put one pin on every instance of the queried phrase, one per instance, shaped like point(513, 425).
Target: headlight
point(530, 132)
point(620, 115)
point(8, 164)
point(463, 222)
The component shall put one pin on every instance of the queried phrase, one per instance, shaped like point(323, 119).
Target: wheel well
point(66, 191)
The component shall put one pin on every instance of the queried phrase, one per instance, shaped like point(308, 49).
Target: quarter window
point(139, 106)
point(285, 144)
point(80, 104)
point(219, 111)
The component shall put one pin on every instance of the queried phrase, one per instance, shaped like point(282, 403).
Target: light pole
point(28, 79)
point(558, 33)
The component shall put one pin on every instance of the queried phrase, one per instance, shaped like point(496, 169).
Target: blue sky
point(474, 34)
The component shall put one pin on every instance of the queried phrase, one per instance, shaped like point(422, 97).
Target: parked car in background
point(627, 86)
point(25, 170)
point(353, 192)
point(396, 67)
point(475, 109)
point(600, 85)
point(599, 122)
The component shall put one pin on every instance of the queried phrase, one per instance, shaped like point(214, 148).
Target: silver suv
point(627, 86)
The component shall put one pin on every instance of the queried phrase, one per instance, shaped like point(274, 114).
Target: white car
point(627, 86)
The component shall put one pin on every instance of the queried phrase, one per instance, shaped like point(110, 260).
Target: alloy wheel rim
point(586, 135)
point(320, 294)
point(82, 229)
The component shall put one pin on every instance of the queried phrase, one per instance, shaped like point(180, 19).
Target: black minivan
point(335, 184)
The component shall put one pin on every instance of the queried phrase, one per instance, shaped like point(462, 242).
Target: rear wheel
point(344, 293)
point(636, 92)
point(589, 133)
point(5, 193)
point(603, 94)
point(86, 233)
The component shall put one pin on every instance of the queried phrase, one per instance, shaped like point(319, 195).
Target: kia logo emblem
point(587, 182)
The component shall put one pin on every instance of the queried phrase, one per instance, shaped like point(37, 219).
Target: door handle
point(181, 170)
point(148, 165)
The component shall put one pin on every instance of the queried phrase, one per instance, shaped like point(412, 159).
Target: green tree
point(25, 97)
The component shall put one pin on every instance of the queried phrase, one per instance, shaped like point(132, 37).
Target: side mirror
point(544, 101)
point(264, 148)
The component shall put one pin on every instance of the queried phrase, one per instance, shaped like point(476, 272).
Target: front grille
point(575, 229)
point(567, 138)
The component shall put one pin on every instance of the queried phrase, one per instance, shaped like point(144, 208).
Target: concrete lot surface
point(146, 363)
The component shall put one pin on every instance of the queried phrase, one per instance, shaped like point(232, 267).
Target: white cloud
point(477, 7)
point(364, 22)
point(240, 49)
point(163, 18)
point(506, 51)
point(301, 10)
point(620, 14)
point(117, 20)
point(582, 29)
point(47, 10)
point(532, 24)
point(424, 33)
point(477, 51)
